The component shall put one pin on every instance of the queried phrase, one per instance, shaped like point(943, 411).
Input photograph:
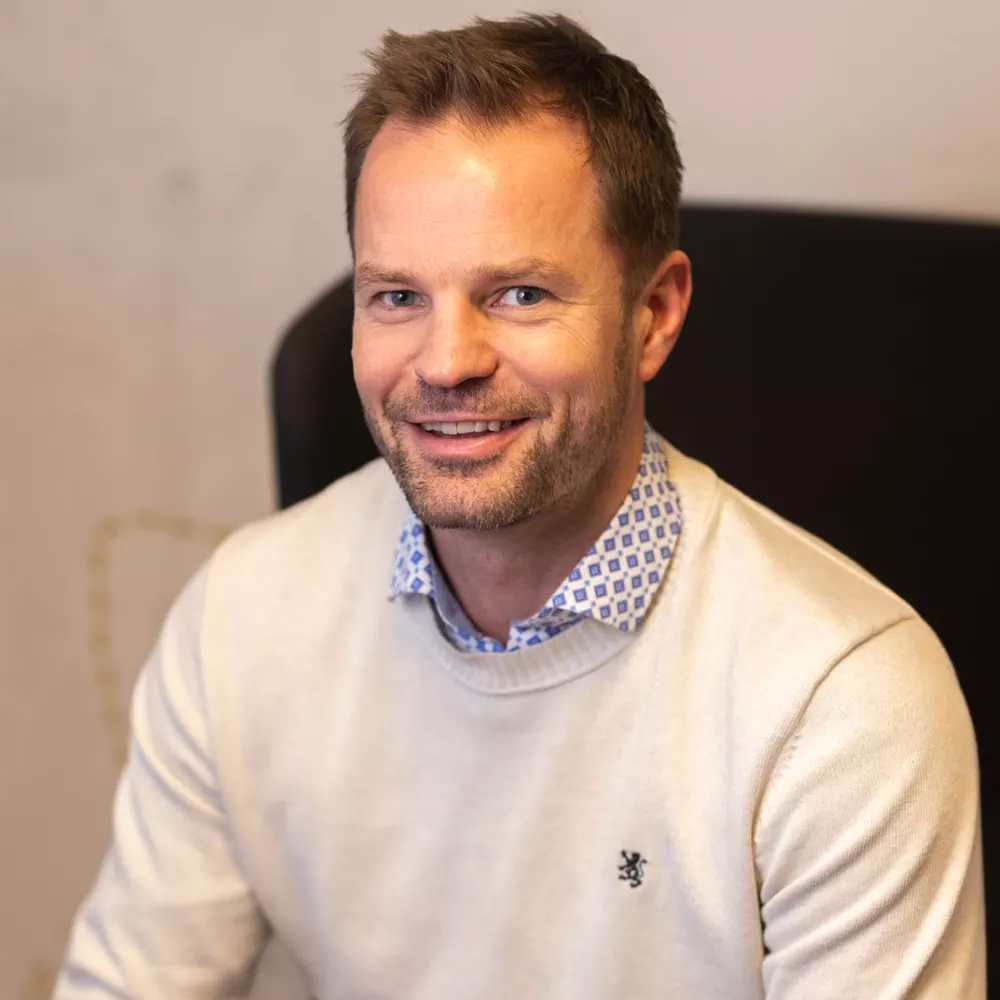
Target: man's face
point(489, 302)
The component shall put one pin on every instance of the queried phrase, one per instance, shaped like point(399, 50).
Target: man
point(560, 714)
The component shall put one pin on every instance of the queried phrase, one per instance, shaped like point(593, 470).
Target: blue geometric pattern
point(614, 583)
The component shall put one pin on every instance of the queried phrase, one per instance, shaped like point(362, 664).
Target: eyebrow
point(517, 271)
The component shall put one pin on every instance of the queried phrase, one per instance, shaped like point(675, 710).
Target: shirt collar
point(614, 583)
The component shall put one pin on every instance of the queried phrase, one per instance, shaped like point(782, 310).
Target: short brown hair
point(491, 72)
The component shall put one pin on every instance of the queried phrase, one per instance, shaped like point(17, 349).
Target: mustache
point(471, 399)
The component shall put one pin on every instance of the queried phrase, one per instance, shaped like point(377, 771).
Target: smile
point(467, 427)
point(462, 440)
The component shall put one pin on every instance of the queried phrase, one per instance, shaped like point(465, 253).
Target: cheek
point(565, 369)
point(379, 365)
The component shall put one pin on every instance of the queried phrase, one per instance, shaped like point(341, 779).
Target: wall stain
point(39, 982)
point(112, 700)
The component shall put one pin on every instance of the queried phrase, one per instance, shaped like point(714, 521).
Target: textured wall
point(170, 194)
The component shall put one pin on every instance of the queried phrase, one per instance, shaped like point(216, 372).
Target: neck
point(508, 575)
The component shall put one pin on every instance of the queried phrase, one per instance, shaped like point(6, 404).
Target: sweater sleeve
point(171, 914)
point(868, 835)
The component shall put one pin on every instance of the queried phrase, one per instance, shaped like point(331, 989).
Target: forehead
point(442, 191)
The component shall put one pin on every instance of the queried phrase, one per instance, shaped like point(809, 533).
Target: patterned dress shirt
point(614, 583)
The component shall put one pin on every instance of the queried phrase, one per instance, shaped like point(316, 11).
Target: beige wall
point(886, 105)
point(170, 194)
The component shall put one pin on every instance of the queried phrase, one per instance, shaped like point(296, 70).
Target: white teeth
point(466, 426)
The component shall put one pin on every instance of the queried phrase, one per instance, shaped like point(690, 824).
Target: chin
point(436, 510)
point(474, 507)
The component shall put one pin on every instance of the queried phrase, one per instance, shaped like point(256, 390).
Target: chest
point(423, 841)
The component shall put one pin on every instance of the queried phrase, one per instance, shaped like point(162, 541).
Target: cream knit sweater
point(769, 792)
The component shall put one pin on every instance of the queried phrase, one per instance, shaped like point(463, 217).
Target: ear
point(660, 312)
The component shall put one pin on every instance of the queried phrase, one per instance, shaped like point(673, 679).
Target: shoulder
point(354, 522)
point(830, 663)
point(804, 566)
point(770, 571)
point(768, 613)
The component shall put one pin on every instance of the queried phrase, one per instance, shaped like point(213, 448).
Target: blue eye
point(523, 295)
point(399, 298)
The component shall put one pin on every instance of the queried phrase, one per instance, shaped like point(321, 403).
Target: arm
point(868, 846)
point(171, 914)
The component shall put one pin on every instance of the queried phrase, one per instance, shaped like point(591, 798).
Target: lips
point(464, 439)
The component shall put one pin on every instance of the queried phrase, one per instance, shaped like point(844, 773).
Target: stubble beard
point(550, 474)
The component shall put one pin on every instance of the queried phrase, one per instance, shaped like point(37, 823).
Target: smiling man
point(536, 706)
point(498, 360)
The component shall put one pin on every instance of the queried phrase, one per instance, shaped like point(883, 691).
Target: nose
point(457, 347)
